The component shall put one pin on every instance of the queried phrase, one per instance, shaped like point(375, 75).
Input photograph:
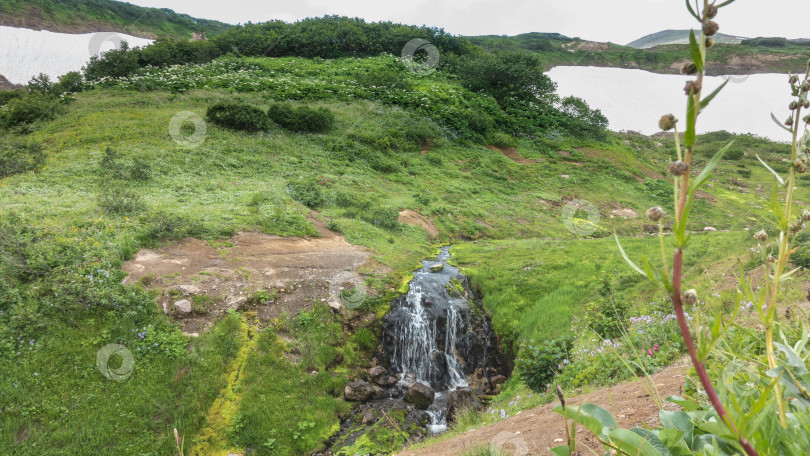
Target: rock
point(420, 395)
point(167, 308)
point(565, 176)
point(335, 305)
point(187, 290)
point(375, 373)
point(379, 393)
point(437, 267)
point(387, 380)
point(236, 303)
point(183, 306)
point(498, 379)
point(709, 228)
point(358, 391)
point(369, 417)
point(460, 400)
point(623, 213)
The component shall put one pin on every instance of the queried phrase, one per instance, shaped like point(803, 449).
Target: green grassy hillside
point(97, 176)
point(81, 16)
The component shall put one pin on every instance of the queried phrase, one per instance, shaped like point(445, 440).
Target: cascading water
point(435, 335)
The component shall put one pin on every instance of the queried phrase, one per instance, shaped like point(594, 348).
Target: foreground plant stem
point(677, 272)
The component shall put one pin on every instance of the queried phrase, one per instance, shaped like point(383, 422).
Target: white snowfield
point(25, 53)
point(635, 100)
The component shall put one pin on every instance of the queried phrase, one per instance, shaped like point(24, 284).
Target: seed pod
point(806, 104)
point(794, 79)
point(655, 213)
point(711, 11)
point(789, 122)
point(710, 28)
point(771, 259)
point(806, 118)
point(689, 68)
point(761, 236)
point(709, 43)
point(678, 168)
point(561, 396)
point(806, 215)
point(692, 87)
point(690, 296)
point(806, 86)
point(793, 105)
point(667, 122)
point(795, 227)
point(801, 168)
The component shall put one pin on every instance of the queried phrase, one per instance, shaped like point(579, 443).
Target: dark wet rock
point(358, 391)
point(387, 380)
point(460, 400)
point(437, 267)
point(375, 373)
point(420, 395)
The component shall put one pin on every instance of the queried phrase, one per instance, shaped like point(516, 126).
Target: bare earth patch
point(512, 154)
point(535, 430)
point(416, 219)
point(217, 276)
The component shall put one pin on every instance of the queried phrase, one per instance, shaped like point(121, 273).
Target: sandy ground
point(218, 275)
point(534, 431)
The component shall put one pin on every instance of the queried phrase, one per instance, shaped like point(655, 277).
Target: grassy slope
point(468, 190)
point(93, 15)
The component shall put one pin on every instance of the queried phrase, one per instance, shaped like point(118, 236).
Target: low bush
point(27, 109)
point(307, 191)
point(302, 119)
point(118, 199)
point(237, 116)
point(540, 363)
point(20, 158)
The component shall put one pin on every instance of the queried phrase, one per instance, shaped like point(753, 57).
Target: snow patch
point(634, 100)
point(25, 53)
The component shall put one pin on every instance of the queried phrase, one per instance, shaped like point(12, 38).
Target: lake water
point(636, 99)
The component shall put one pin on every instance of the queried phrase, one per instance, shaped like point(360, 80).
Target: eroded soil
point(215, 276)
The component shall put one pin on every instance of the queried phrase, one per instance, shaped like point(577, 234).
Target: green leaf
point(604, 417)
point(727, 2)
point(709, 168)
point(691, 10)
point(792, 357)
point(695, 48)
point(777, 210)
point(705, 101)
point(626, 258)
point(583, 418)
point(781, 125)
point(678, 420)
point(561, 451)
point(632, 443)
point(689, 134)
point(778, 177)
point(652, 437)
point(686, 404)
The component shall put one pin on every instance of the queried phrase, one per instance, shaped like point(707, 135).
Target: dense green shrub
point(112, 167)
point(8, 95)
point(28, 109)
point(19, 158)
point(607, 315)
point(385, 217)
point(118, 199)
point(540, 363)
point(302, 119)
point(115, 63)
point(237, 116)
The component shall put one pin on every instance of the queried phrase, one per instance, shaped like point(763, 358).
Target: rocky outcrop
point(460, 400)
point(358, 391)
point(420, 395)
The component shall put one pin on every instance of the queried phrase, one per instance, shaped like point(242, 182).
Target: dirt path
point(533, 431)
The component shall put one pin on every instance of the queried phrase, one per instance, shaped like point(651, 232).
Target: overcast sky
point(618, 21)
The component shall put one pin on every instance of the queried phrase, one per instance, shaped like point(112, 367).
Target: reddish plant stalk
point(700, 368)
